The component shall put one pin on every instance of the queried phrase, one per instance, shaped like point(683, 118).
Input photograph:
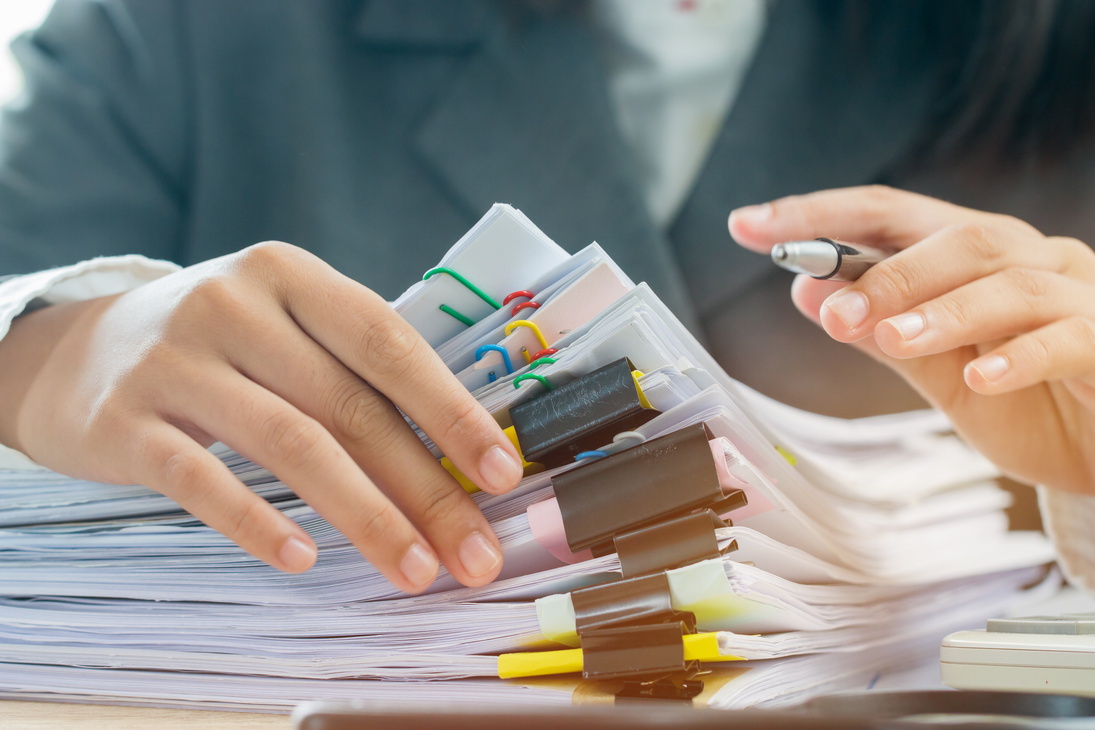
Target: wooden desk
point(15, 715)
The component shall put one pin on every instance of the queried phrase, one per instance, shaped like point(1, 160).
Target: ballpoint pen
point(824, 258)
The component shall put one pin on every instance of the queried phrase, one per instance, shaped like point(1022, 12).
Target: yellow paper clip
point(469, 487)
point(535, 330)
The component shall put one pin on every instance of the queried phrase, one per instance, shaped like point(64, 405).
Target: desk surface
point(15, 715)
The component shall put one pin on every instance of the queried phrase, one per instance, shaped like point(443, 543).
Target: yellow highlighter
point(697, 648)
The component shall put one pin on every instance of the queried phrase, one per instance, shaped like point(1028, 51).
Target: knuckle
point(440, 505)
point(1030, 284)
point(212, 295)
point(1016, 224)
point(375, 523)
point(1073, 246)
point(901, 282)
point(246, 522)
point(1084, 329)
point(271, 263)
point(878, 193)
point(292, 439)
point(1076, 256)
point(106, 418)
point(182, 473)
point(266, 255)
point(1038, 350)
point(457, 422)
point(952, 309)
point(355, 412)
point(978, 240)
point(390, 346)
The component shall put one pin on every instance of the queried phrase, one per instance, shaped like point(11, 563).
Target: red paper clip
point(516, 295)
point(543, 353)
point(524, 305)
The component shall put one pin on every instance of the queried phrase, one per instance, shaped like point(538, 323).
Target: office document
point(677, 535)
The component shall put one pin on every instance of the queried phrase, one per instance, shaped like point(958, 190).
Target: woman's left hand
point(990, 320)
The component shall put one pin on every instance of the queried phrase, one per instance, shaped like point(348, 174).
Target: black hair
point(1017, 77)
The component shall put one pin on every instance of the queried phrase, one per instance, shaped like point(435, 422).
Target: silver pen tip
point(779, 253)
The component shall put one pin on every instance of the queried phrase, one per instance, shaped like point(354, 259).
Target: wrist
point(23, 353)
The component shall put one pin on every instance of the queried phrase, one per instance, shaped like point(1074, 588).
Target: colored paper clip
point(646, 487)
point(541, 361)
point(543, 353)
point(535, 330)
point(467, 484)
point(524, 305)
point(624, 440)
point(456, 315)
point(583, 415)
point(595, 454)
point(517, 295)
point(532, 376)
point(484, 349)
point(471, 287)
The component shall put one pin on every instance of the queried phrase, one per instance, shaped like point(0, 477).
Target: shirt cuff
point(98, 277)
point(1068, 519)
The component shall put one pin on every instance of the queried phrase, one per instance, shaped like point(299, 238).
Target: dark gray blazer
point(375, 133)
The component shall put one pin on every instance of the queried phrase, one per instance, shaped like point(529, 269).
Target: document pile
point(676, 535)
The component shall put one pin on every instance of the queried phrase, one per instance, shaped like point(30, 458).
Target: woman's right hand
point(293, 365)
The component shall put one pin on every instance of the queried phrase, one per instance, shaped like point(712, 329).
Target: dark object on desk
point(854, 711)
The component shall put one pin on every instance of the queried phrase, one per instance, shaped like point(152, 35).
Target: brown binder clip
point(644, 600)
point(671, 544)
point(647, 485)
point(634, 651)
point(630, 629)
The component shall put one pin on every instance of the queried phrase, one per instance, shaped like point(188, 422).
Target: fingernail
point(908, 325)
point(478, 555)
point(850, 308)
point(500, 470)
point(419, 566)
point(752, 214)
point(990, 368)
point(296, 555)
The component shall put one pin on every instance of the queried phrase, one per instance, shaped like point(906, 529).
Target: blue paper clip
point(495, 348)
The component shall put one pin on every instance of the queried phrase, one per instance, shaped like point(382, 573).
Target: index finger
point(362, 331)
point(874, 215)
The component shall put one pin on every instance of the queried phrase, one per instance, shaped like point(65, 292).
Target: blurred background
point(16, 16)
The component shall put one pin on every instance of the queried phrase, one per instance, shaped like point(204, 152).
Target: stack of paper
point(861, 544)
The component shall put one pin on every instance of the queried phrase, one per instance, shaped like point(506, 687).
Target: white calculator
point(1034, 654)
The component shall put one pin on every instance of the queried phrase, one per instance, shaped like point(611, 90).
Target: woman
point(373, 133)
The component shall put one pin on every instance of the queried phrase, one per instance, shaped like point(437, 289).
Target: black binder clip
point(580, 416)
